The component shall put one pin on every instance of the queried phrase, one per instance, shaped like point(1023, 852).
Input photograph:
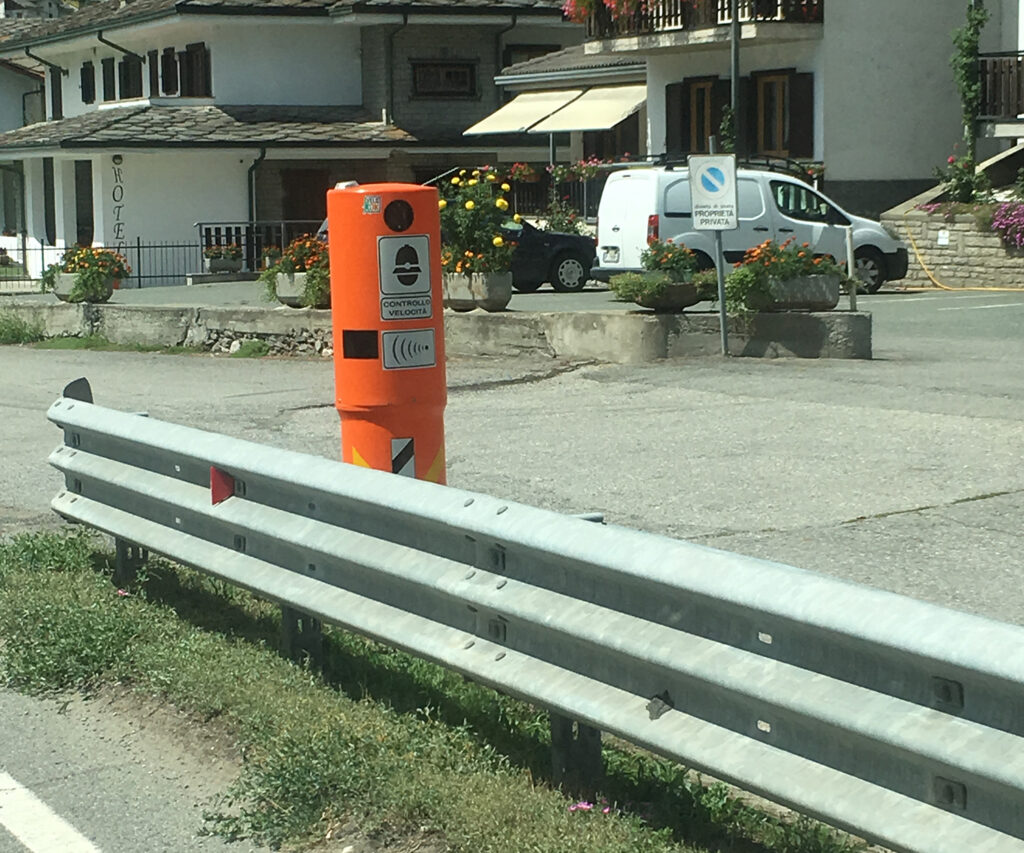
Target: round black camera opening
point(398, 215)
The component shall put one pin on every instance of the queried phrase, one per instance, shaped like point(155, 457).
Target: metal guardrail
point(895, 719)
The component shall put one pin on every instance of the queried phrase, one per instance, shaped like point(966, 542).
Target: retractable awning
point(599, 108)
point(523, 112)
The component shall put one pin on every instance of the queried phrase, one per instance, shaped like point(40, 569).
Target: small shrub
point(308, 254)
point(707, 284)
point(561, 216)
point(94, 269)
point(231, 252)
point(1008, 223)
point(961, 180)
point(672, 258)
point(252, 348)
point(15, 330)
point(748, 286)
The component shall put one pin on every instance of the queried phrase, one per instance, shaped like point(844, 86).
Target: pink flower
point(123, 592)
point(951, 160)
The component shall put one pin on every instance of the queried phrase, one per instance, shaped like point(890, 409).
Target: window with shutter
point(88, 82)
point(194, 67)
point(56, 94)
point(129, 73)
point(109, 80)
point(169, 71)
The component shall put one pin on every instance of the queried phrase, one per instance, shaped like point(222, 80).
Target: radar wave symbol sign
point(404, 274)
point(713, 192)
point(409, 348)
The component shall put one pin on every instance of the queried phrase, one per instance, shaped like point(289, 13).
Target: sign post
point(715, 208)
point(389, 372)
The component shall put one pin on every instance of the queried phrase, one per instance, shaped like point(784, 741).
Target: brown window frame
point(422, 87)
point(780, 119)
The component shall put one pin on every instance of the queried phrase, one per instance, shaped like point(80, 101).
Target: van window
point(801, 202)
point(677, 198)
point(749, 199)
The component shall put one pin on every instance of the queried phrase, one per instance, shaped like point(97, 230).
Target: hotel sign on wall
point(117, 193)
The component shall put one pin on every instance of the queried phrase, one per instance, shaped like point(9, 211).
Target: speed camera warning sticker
point(409, 348)
point(404, 277)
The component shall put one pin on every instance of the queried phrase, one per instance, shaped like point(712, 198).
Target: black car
point(562, 259)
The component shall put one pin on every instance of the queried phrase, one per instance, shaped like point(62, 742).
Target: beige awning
point(599, 108)
point(524, 111)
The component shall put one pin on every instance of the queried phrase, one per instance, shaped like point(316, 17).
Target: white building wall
point(12, 86)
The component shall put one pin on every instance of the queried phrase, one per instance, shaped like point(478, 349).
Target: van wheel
point(870, 268)
point(703, 262)
point(568, 273)
point(527, 286)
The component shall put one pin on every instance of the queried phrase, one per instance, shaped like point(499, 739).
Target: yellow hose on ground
point(939, 284)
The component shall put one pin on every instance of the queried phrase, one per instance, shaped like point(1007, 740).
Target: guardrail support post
point(576, 760)
point(128, 559)
point(302, 636)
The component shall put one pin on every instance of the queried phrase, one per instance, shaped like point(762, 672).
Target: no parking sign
point(713, 191)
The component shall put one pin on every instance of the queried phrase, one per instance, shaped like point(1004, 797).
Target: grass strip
point(102, 344)
point(390, 743)
point(15, 330)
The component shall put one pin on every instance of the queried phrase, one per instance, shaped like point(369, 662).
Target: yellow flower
point(492, 177)
point(473, 182)
point(517, 218)
point(456, 181)
point(506, 187)
point(462, 171)
point(501, 204)
point(442, 204)
point(476, 173)
point(497, 241)
point(470, 205)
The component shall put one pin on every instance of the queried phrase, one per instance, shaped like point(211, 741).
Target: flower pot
point(289, 287)
point(488, 290)
point(65, 284)
point(675, 297)
point(804, 293)
point(223, 264)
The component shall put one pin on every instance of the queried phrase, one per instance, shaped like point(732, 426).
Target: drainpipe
point(252, 183)
point(389, 61)
point(117, 47)
point(497, 51)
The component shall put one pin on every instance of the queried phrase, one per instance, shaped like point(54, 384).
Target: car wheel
point(870, 268)
point(527, 286)
point(568, 273)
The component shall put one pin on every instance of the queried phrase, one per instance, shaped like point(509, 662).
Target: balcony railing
point(662, 16)
point(1002, 85)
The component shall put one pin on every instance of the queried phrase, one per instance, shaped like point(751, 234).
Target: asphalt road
point(903, 472)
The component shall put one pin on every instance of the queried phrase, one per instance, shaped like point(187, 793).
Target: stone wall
point(956, 252)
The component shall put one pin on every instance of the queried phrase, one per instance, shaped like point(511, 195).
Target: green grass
point(15, 330)
point(252, 348)
point(390, 742)
point(102, 344)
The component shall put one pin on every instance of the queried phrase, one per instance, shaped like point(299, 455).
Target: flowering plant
point(669, 257)
point(231, 251)
point(748, 286)
point(305, 254)
point(561, 216)
point(521, 172)
point(1008, 222)
point(581, 170)
point(473, 207)
point(961, 179)
point(95, 270)
point(578, 11)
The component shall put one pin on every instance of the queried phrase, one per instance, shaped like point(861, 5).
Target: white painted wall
point(891, 109)
point(12, 86)
point(666, 68)
point(252, 62)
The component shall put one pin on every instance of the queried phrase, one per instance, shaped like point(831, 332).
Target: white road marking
point(949, 298)
point(35, 824)
point(985, 307)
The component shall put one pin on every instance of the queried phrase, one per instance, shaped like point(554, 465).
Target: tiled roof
point(108, 13)
point(210, 126)
point(572, 59)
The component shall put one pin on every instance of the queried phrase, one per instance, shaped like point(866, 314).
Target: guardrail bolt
point(576, 761)
point(128, 559)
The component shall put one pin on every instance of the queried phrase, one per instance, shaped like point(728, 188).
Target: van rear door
point(626, 203)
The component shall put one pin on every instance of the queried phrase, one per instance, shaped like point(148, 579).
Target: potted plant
point(667, 283)
point(475, 255)
point(301, 276)
point(86, 274)
point(787, 276)
point(523, 173)
point(223, 258)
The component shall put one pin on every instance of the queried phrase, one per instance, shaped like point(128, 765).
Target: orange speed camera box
point(389, 366)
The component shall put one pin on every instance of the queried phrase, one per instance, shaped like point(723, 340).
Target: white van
point(641, 204)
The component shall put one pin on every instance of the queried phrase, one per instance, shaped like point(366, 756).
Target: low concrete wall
point(956, 251)
point(613, 336)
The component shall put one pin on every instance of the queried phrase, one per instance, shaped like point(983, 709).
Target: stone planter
point(289, 288)
point(223, 264)
point(488, 290)
point(805, 293)
point(675, 297)
point(65, 283)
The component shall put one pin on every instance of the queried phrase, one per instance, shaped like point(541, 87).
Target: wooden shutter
point(56, 94)
point(153, 65)
point(801, 115)
point(88, 81)
point(109, 80)
point(169, 71)
point(677, 123)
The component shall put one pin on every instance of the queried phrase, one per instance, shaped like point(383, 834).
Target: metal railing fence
point(660, 16)
point(255, 237)
point(895, 719)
